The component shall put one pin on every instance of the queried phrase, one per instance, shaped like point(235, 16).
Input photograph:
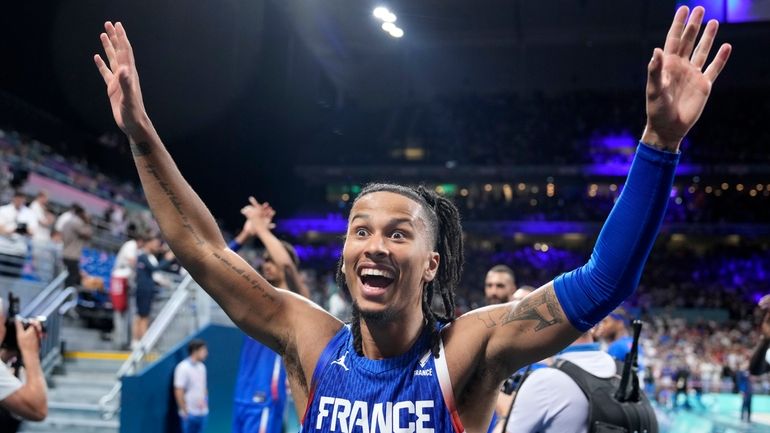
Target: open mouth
point(375, 281)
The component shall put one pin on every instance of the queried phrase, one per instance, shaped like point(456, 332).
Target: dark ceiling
point(233, 85)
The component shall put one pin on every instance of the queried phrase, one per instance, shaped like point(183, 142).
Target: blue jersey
point(353, 394)
point(261, 375)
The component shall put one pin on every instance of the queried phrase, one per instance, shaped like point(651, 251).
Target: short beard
point(387, 315)
point(495, 301)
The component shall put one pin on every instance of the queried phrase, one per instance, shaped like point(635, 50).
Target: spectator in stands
point(75, 232)
point(146, 264)
point(25, 399)
point(15, 217)
point(65, 217)
point(121, 283)
point(44, 219)
point(190, 389)
point(499, 285)
point(760, 364)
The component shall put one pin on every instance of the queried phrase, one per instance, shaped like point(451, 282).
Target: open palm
point(121, 78)
point(677, 86)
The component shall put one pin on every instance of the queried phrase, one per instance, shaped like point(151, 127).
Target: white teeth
point(376, 273)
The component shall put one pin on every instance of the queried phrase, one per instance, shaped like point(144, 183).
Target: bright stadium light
point(380, 12)
point(390, 17)
point(397, 33)
point(389, 27)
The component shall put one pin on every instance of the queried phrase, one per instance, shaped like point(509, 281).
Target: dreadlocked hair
point(443, 221)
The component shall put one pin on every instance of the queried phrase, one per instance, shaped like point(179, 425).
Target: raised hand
point(259, 216)
point(122, 79)
point(677, 86)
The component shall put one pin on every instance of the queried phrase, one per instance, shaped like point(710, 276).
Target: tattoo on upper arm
point(174, 202)
point(542, 307)
point(140, 149)
point(487, 319)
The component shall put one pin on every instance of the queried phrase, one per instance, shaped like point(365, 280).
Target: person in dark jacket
point(146, 264)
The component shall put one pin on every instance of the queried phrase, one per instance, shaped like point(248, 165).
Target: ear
point(433, 262)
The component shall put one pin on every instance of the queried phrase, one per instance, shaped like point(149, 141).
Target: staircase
point(90, 369)
point(73, 395)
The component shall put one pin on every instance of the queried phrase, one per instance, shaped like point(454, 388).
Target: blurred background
point(526, 114)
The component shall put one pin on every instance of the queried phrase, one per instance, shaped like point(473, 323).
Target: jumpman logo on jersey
point(341, 361)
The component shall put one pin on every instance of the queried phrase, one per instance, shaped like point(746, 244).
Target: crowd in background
point(708, 351)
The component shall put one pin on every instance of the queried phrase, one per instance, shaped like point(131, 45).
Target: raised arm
point(268, 314)
point(260, 222)
point(557, 313)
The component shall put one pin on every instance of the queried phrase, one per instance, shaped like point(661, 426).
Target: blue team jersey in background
point(353, 394)
point(260, 390)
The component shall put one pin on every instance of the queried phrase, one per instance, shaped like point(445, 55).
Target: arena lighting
point(389, 17)
point(388, 27)
point(380, 12)
point(397, 33)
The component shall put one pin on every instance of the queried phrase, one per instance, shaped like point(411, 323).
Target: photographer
point(23, 399)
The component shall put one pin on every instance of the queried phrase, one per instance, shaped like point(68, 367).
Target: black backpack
point(607, 413)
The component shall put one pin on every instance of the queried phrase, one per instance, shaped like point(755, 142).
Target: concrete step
point(68, 424)
point(93, 366)
point(77, 381)
point(77, 393)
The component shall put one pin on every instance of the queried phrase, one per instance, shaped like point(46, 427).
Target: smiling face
point(388, 255)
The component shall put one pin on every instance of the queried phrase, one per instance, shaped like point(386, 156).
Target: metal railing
point(50, 304)
point(110, 402)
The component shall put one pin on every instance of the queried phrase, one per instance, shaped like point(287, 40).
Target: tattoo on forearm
point(140, 149)
point(254, 283)
point(542, 307)
point(174, 202)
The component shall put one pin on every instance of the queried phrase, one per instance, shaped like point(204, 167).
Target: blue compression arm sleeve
point(592, 291)
point(234, 245)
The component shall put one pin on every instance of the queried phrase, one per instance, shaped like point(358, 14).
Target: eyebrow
point(394, 221)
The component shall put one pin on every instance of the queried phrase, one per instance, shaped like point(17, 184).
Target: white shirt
point(191, 377)
point(10, 217)
point(549, 401)
point(41, 232)
point(125, 261)
point(8, 382)
point(63, 218)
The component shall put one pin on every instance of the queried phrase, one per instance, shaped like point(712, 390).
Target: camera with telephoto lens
point(10, 342)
